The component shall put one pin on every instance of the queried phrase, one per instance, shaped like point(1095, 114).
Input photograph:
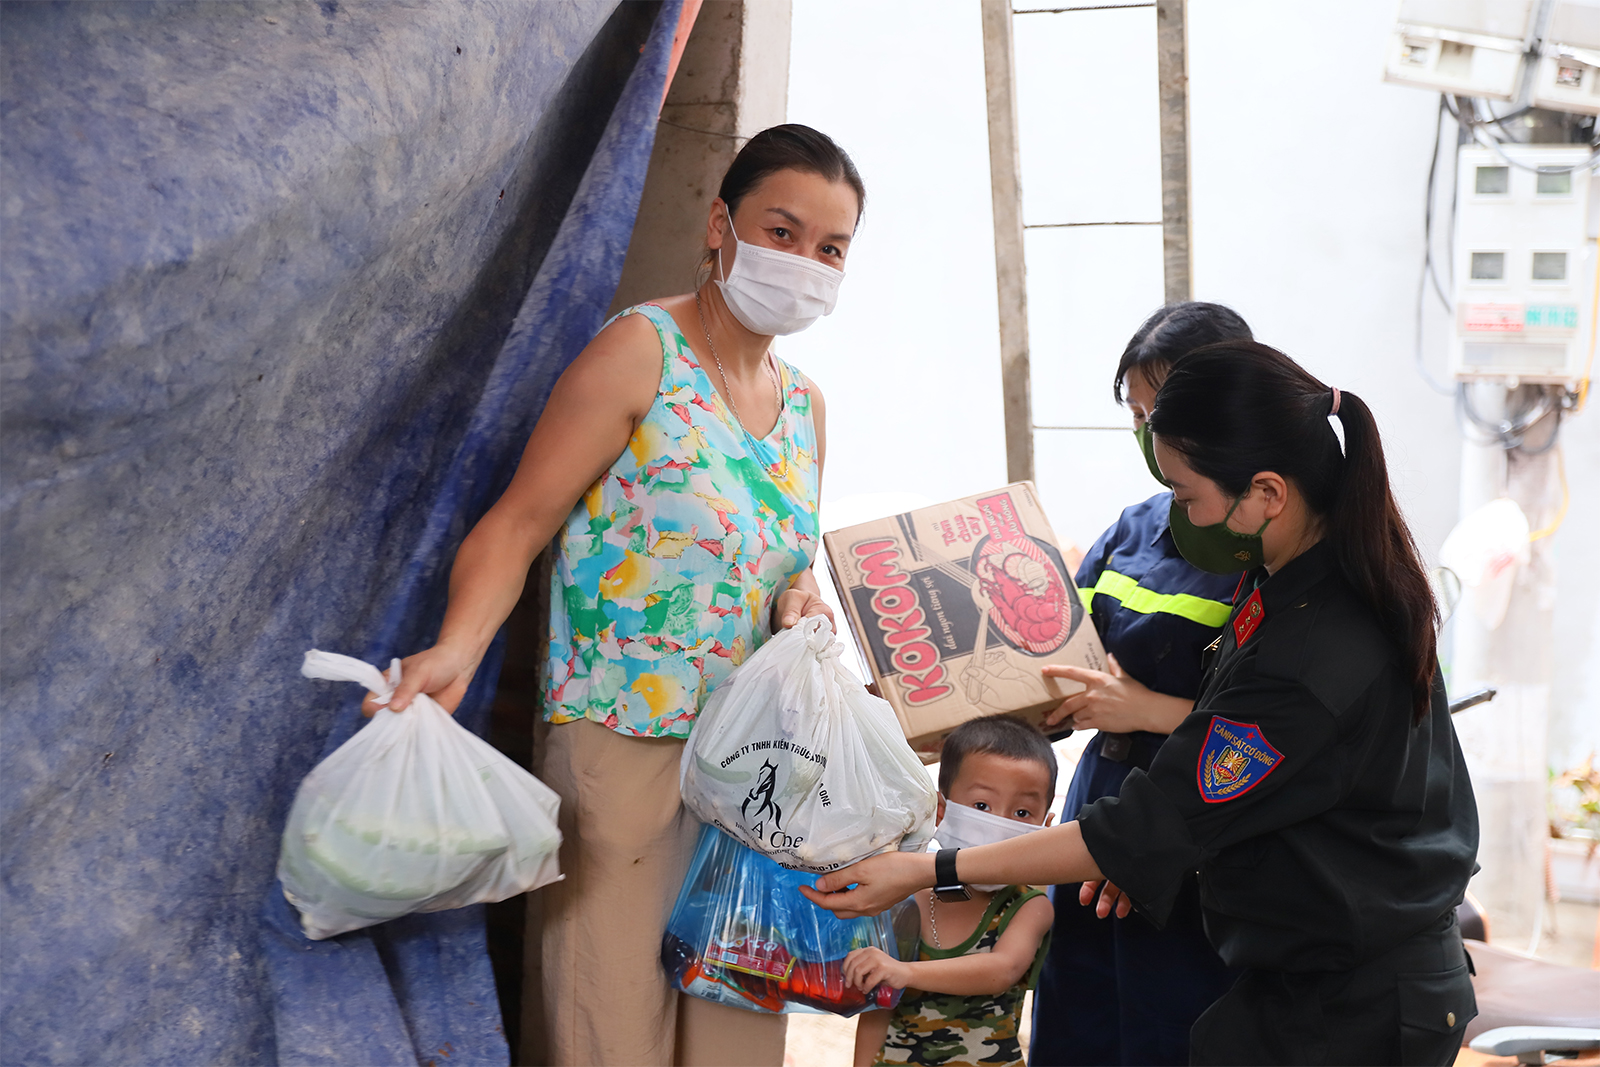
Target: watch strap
point(944, 869)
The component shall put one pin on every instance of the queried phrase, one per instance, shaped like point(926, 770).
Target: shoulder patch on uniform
point(1234, 760)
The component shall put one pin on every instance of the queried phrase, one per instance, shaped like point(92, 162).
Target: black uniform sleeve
point(1164, 824)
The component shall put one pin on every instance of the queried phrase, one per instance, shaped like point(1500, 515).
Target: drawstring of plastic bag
point(827, 648)
point(332, 667)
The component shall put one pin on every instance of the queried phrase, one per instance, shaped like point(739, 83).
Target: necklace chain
point(727, 390)
point(933, 923)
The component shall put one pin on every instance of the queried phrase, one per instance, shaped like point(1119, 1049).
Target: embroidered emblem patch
point(1234, 760)
point(1249, 617)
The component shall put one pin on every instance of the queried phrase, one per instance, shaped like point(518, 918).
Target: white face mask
point(965, 827)
point(774, 292)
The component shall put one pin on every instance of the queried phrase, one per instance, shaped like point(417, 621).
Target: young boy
point(978, 957)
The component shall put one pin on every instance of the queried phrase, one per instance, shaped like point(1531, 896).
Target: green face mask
point(1147, 445)
point(1215, 548)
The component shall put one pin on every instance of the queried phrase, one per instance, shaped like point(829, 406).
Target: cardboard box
point(957, 606)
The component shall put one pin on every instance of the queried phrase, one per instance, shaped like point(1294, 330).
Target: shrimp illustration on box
point(958, 606)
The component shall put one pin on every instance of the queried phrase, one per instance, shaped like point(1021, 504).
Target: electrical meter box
point(1524, 263)
point(1568, 77)
point(1462, 47)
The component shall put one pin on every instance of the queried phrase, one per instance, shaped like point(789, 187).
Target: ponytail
point(1235, 409)
point(1377, 553)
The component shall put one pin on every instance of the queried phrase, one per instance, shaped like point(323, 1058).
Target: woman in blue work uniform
point(1317, 786)
point(1118, 990)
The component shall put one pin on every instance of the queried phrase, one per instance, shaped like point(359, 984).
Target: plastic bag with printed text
point(742, 934)
point(413, 813)
point(794, 758)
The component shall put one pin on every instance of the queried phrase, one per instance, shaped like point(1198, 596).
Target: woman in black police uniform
point(1116, 989)
point(1317, 787)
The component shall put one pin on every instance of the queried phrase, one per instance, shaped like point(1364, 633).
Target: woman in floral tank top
point(676, 468)
point(668, 566)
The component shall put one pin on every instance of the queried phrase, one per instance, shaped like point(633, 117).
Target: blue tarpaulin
point(284, 288)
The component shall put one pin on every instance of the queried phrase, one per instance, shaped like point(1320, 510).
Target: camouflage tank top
point(946, 1030)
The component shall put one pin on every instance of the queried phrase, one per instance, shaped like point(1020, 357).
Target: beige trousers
point(626, 848)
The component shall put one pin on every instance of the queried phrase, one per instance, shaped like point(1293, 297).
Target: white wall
point(909, 361)
point(1308, 176)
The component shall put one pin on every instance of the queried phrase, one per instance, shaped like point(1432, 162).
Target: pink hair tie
point(1335, 410)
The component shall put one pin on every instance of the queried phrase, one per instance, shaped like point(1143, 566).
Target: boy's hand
point(867, 968)
point(1110, 897)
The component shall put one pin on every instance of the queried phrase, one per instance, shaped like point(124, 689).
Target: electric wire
point(1427, 260)
point(1494, 146)
point(1074, 225)
point(1455, 203)
point(696, 129)
point(1069, 10)
point(1566, 501)
point(1522, 449)
point(1509, 433)
point(1500, 120)
point(1588, 365)
point(1477, 129)
point(1553, 401)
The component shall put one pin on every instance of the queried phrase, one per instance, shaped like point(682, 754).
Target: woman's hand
point(1110, 897)
point(795, 604)
point(801, 599)
point(1115, 702)
point(868, 968)
point(880, 883)
point(441, 672)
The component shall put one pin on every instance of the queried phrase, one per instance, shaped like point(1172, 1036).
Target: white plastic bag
point(1485, 550)
point(794, 757)
point(413, 813)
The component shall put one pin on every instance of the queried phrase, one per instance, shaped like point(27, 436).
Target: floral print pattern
point(666, 569)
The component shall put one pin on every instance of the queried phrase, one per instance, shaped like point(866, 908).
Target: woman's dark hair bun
point(1238, 408)
point(1173, 332)
point(789, 147)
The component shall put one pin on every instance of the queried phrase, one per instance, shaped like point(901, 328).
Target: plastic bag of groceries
point(413, 813)
point(742, 934)
point(794, 757)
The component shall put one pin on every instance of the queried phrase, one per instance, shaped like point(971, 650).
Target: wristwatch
point(946, 886)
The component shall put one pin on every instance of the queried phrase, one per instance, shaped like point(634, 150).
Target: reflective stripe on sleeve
point(1134, 597)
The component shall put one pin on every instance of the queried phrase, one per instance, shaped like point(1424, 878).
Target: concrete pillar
point(1011, 275)
point(1172, 67)
point(732, 82)
point(1505, 741)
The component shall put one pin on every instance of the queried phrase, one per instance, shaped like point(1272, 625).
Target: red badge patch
point(1234, 760)
point(1249, 617)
